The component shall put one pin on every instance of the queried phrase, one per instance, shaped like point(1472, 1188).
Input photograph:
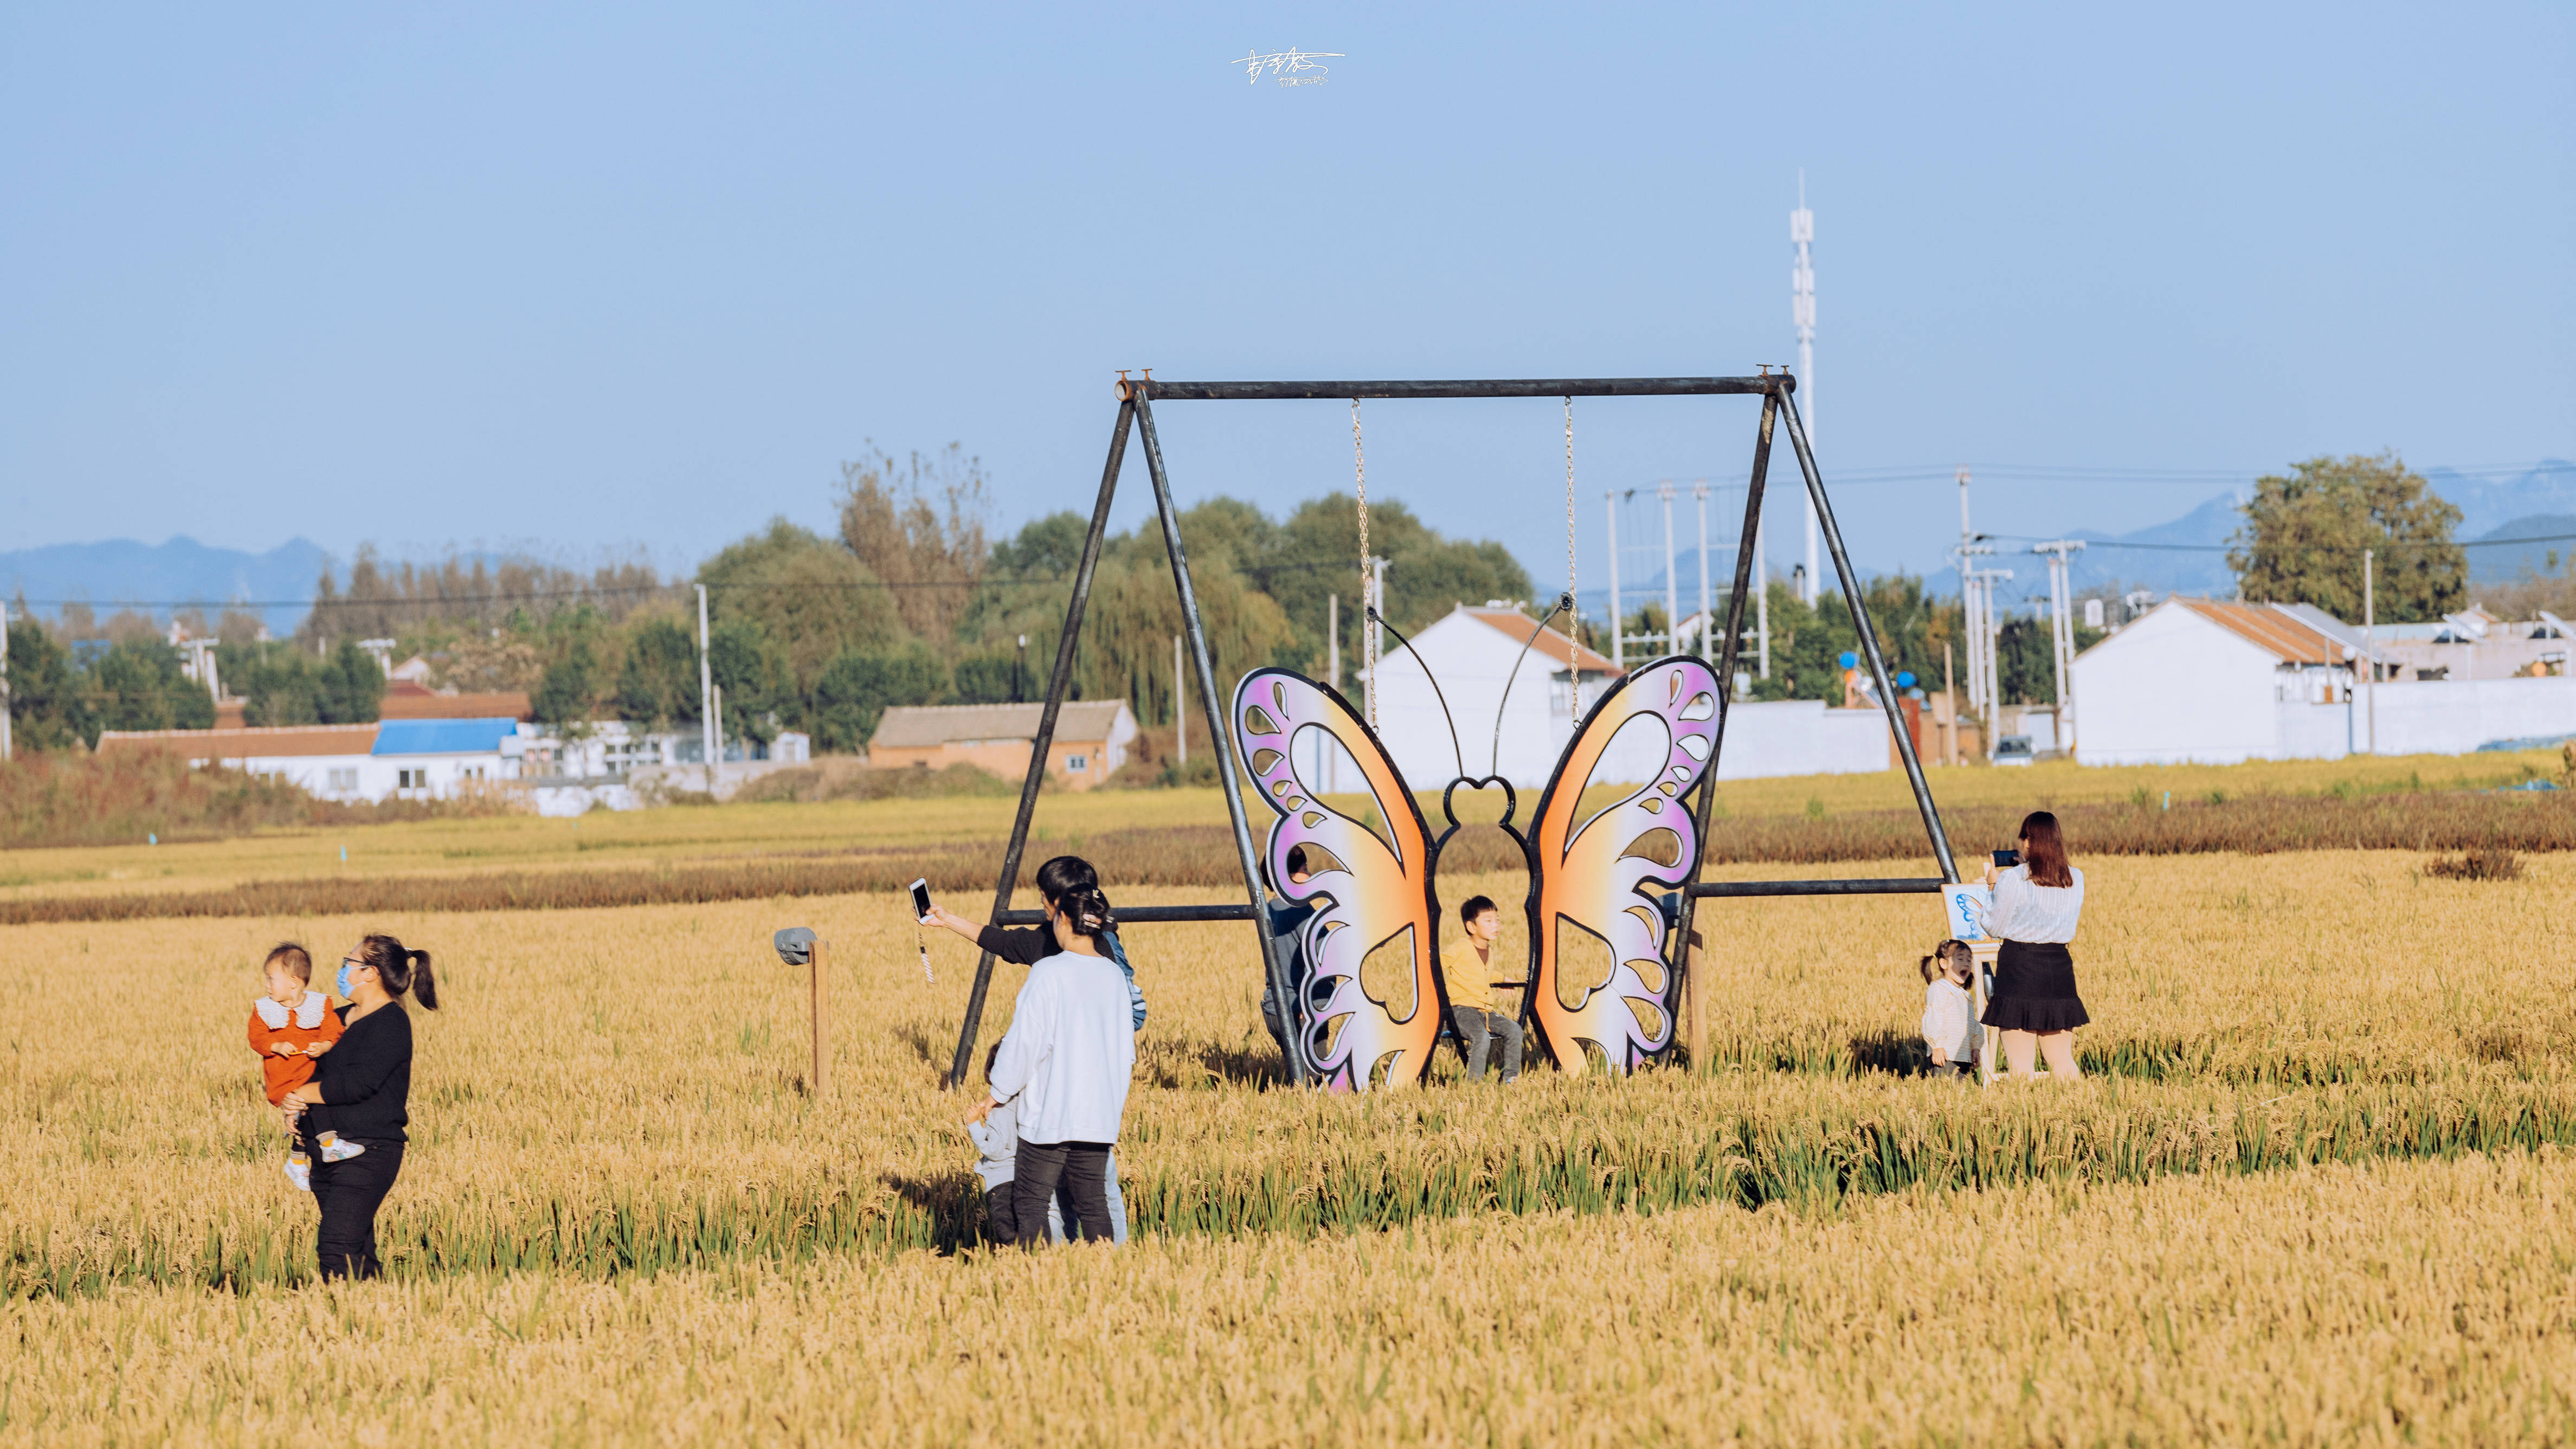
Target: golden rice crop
point(623, 1090)
point(2393, 1303)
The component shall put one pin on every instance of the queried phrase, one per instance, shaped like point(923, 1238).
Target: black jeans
point(1082, 1168)
point(349, 1194)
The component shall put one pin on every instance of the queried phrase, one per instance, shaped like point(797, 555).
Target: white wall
point(1474, 661)
point(2174, 688)
point(2451, 717)
point(1801, 737)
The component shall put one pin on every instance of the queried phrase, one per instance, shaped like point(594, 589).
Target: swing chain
point(1368, 596)
point(1574, 617)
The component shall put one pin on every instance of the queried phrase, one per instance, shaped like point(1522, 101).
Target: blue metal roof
point(442, 736)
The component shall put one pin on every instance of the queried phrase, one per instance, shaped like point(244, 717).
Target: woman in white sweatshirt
point(1064, 1065)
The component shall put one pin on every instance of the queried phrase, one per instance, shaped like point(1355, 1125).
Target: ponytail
point(402, 971)
point(1070, 885)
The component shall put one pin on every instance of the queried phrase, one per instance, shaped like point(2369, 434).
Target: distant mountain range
point(2185, 555)
point(119, 573)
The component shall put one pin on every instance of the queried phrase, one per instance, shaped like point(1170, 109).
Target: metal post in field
point(822, 1014)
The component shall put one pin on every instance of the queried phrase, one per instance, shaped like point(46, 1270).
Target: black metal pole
point(1744, 551)
point(1869, 886)
point(1468, 387)
point(1229, 768)
point(1057, 687)
point(1868, 640)
point(1144, 915)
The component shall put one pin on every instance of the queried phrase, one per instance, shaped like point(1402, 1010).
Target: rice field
point(2318, 1191)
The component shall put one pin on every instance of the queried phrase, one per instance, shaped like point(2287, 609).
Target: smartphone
point(2004, 860)
point(920, 898)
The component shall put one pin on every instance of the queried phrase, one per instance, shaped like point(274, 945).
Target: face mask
point(344, 981)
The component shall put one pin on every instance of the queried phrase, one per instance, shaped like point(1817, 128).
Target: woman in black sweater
point(366, 1081)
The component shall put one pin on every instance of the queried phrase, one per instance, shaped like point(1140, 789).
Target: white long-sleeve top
point(1071, 1048)
point(1947, 1020)
point(2033, 913)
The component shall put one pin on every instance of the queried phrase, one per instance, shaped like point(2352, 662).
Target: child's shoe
point(335, 1150)
point(299, 1171)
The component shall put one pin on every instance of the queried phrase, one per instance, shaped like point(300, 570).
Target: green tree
point(759, 695)
point(811, 597)
point(565, 694)
point(1316, 552)
point(2305, 531)
point(139, 687)
point(47, 708)
point(351, 689)
point(1044, 548)
point(858, 688)
point(658, 684)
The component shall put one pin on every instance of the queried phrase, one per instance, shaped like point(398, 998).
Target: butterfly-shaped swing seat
point(1367, 995)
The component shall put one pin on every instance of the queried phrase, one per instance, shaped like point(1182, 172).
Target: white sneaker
point(335, 1150)
point(299, 1171)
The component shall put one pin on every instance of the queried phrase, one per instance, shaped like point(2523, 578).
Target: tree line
point(910, 600)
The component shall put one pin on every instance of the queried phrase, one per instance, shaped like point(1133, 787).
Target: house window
point(343, 779)
point(1077, 762)
point(411, 779)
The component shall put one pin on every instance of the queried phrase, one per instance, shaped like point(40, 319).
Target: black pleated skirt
point(2035, 989)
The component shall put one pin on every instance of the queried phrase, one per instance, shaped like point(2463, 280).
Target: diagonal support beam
point(1229, 765)
point(1868, 639)
point(1058, 685)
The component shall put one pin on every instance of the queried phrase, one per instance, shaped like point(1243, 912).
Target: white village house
point(2202, 681)
point(1491, 672)
point(439, 759)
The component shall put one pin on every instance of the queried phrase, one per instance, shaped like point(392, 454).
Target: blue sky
point(585, 279)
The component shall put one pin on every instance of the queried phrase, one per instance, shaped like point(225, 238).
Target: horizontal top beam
point(1157, 390)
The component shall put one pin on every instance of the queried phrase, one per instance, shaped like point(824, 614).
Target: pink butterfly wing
point(1372, 890)
point(1599, 933)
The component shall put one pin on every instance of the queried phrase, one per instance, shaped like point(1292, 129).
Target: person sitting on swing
point(1467, 965)
point(1285, 918)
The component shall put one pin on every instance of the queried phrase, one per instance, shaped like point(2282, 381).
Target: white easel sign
point(1966, 902)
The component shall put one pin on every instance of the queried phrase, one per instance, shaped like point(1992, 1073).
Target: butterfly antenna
point(1564, 602)
point(1454, 752)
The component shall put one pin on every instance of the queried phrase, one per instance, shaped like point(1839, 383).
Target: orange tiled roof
point(2277, 632)
point(1551, 643)
point(405, 700)
point(242, 744)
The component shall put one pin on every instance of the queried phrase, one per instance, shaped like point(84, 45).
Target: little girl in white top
point(1949, 1021)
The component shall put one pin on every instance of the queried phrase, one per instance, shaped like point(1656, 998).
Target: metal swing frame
point(1136, 414)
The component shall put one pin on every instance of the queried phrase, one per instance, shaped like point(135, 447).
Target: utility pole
point(2061, 633)
point(2370, 646)
point(1707, 605)
point(1618, 650)
point(7, 744)
point(1672, 585)
point(1985, 675)
point(1180, 716)
point(1802, 310)
point(1761, 599)
point(1328, 766)
point(706, 694)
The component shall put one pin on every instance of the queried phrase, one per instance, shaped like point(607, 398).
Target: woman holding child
point(2037, 905)
point(364, 1082)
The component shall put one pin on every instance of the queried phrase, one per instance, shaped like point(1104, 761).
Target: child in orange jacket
point(290, 1026)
